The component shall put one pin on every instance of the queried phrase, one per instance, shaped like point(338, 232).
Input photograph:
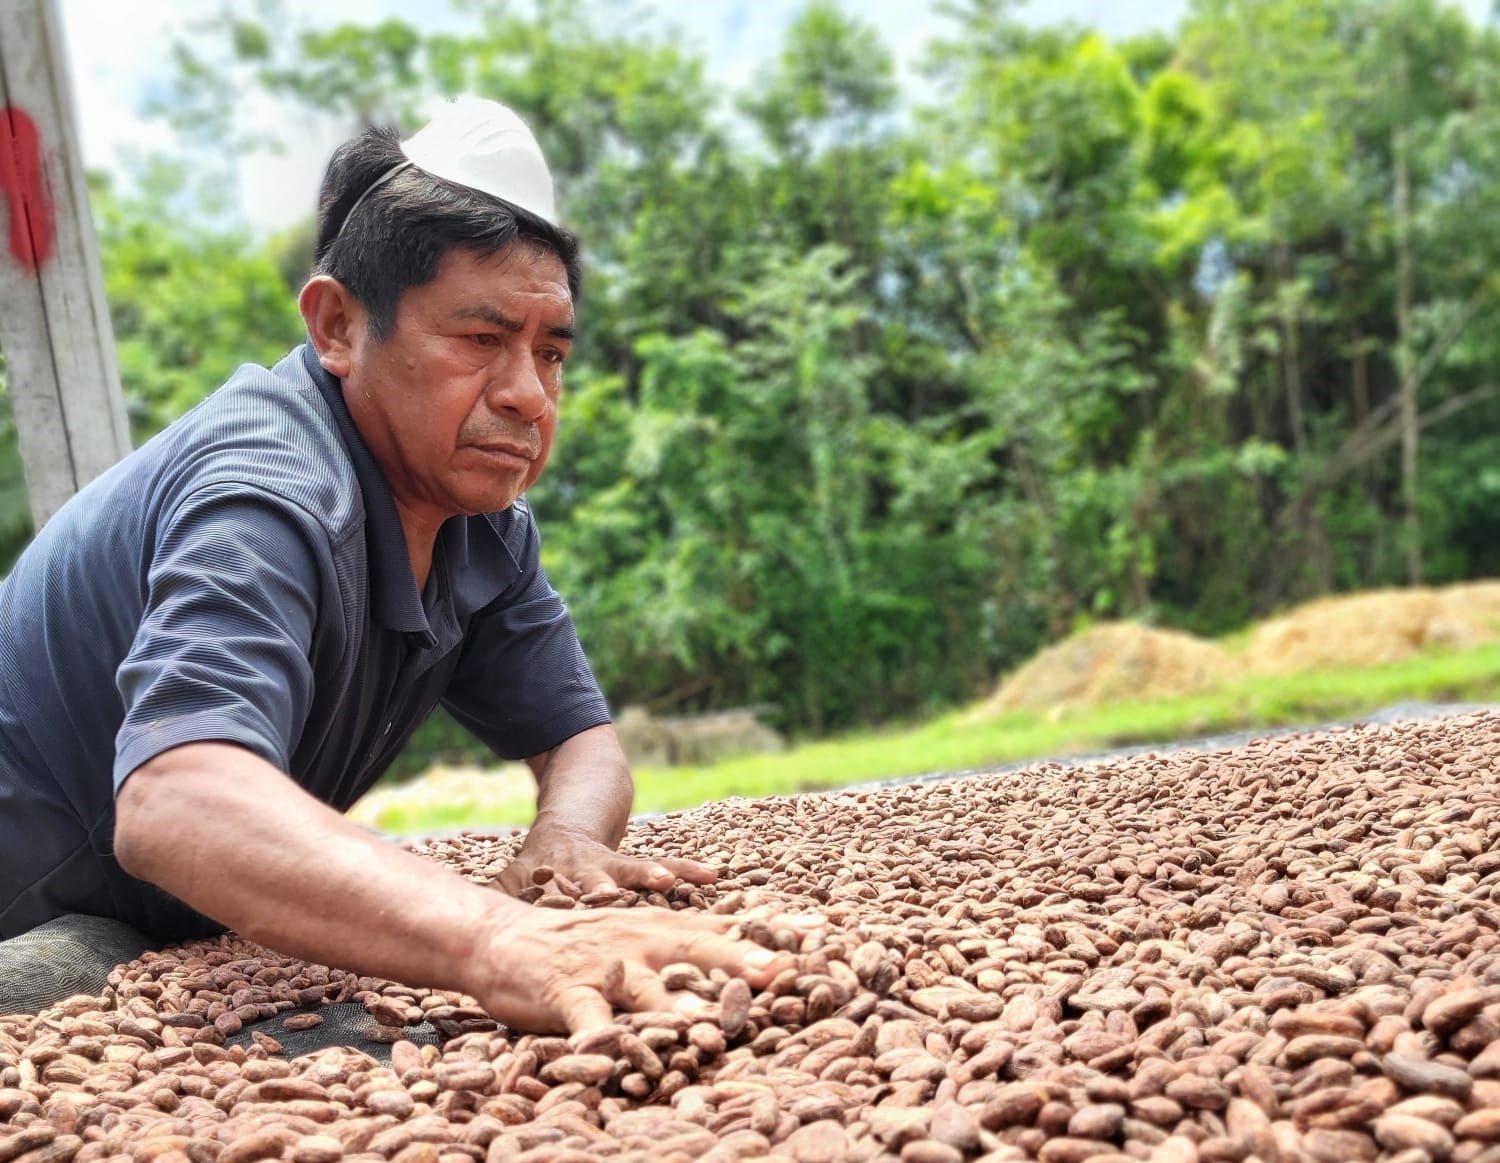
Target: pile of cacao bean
point(1286, 951)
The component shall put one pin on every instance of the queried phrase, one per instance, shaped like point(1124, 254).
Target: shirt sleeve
point(522, 684)
point(222, 652)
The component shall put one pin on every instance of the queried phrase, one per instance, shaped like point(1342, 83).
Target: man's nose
point(516, 387)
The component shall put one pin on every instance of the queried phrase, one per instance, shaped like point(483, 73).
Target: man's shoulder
point(270, 431)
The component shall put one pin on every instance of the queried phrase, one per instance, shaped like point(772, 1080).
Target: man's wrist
point(586, 789)
point(477, 955)
point(549, 824)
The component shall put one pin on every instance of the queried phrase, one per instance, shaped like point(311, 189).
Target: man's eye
point(552, 355)
point(485, 338)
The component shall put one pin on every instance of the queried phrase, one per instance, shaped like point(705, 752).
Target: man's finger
point(710, 951)
point(641, 991)
point(513, 878)
point(691, 871)
point(595, 880)
point(688, 1004)
point(665, 926)
point(583, 1009)
point(629, 872)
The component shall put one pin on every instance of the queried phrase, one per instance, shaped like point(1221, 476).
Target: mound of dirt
point(1125, 661)
point(1468, 614)
point(1121, 660)
point(1376, 627)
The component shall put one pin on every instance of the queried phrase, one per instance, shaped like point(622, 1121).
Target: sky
point(119, 54)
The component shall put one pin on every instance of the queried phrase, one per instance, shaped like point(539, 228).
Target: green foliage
point(955, 743)
point(878, 394)
point(15, 509)
point(189, 304)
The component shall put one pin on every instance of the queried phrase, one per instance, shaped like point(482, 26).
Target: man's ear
point(332, 317)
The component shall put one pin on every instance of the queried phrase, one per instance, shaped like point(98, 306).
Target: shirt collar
point(394, 598)
point(473, 563)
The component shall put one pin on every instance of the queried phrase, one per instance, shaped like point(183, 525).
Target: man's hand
point(556, 971)
point(592, 865)
point(224, 830)
point(583, 803)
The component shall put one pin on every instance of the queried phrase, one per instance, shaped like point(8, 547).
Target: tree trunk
point(1371, 555)
point(1406, 361)
point(1291, 349)
point(1361, 382)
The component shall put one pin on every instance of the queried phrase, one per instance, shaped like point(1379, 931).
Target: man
point(289, 578)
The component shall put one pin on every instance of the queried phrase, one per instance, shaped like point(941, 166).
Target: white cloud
point(120, 53)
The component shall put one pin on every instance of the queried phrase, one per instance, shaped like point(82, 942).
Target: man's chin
point(492, 503)
point(488, 493)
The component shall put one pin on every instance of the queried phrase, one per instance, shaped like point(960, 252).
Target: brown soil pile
point(1376, 627)
point(1121, 660)
point(1125, 661)
point(1286, 951)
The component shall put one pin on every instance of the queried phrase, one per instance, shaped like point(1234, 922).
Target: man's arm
point(522, 683)
point(584, 793)
point(225, 831)
point(235, 838)
point(585, 782)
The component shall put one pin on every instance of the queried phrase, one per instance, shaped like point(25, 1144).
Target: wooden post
point(54, 323)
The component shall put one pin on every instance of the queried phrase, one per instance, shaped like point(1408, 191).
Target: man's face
point(459, 404)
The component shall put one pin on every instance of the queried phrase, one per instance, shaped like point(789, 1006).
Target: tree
point(1383, 212)
point(189, 304)
point(874, 400)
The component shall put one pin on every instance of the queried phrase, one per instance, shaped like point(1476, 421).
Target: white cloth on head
point(484, 145)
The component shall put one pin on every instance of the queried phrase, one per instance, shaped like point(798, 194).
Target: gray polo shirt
point(243, 577)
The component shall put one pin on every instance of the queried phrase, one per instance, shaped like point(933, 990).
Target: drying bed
point(1278, 951)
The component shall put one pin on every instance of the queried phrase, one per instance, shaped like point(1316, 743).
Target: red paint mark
point(28, 208)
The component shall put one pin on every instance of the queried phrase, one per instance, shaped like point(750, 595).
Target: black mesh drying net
point(68, 955)
point(344, 1024)
point(75, 954)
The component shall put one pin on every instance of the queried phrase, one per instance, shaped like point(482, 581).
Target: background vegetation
point(881, 390)
point(452, 799)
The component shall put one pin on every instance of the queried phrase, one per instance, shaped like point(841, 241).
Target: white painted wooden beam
point(54, 322)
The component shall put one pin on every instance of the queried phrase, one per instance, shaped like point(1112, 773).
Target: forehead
point(519, 271)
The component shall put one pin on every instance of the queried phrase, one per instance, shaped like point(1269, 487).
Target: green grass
point(417, 820)
point(958, 742)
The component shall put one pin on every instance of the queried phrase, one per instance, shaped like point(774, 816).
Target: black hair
point(397, 235)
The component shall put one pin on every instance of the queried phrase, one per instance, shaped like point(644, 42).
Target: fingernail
point(760, 958)
point(658, 872)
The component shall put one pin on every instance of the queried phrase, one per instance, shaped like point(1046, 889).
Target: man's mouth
point(520, 449)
